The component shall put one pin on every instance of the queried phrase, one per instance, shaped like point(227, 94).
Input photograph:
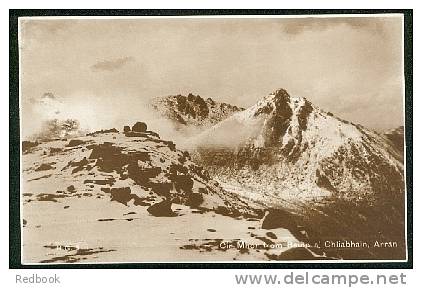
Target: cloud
point(112, 65)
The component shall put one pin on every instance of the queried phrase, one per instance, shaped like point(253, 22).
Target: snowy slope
point(103, 161)
point(397, 137)
point(286, 147)
point(338, 180)
point(87, 200)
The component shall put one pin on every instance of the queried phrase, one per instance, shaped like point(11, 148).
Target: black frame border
point(14, 136)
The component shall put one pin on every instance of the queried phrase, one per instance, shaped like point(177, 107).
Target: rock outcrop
point(193, 110)
point(139, 127)
point(135, 167)
point(161, 209)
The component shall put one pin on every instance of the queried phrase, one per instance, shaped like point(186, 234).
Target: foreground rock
point(277, 218)
point(139, 127)
point(140, 170)
point(161, 209)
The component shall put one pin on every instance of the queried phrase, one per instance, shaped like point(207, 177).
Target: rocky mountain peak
point(276, 102)
point(281, 134)
point(279, 115)
point(285, 152)
point(193, 109)
point(279, 97)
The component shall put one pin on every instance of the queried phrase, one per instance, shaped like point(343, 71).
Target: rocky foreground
point(130, 196)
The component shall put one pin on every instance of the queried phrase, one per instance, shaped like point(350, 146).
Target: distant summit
point(193, 109)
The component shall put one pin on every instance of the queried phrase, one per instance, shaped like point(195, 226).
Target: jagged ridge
point(339, 179)
point(193, 110)
point(292, 145)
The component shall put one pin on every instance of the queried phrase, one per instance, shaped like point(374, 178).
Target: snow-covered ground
point(112, 232)
point(69, 214)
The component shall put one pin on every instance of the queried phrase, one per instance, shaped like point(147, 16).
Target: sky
point(103, 71)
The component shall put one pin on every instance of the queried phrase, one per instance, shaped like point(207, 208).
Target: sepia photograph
point(213, 139)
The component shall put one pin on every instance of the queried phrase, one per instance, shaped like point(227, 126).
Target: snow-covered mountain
point(193, 109)
point(285, 152)
point(397, 137)
point(130, 196)
point(291, 149)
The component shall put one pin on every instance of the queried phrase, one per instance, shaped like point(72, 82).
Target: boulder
point(278, 218)
point(139, 127)
point(45, 166)
point(126, 129)
point(161, 209)
point(195, 199)
point(161, 188)
point(122, 195)
point(223, 210)
point(28, 145)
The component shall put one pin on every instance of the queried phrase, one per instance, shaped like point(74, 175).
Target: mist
point(94, 115)
point(104, 72)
